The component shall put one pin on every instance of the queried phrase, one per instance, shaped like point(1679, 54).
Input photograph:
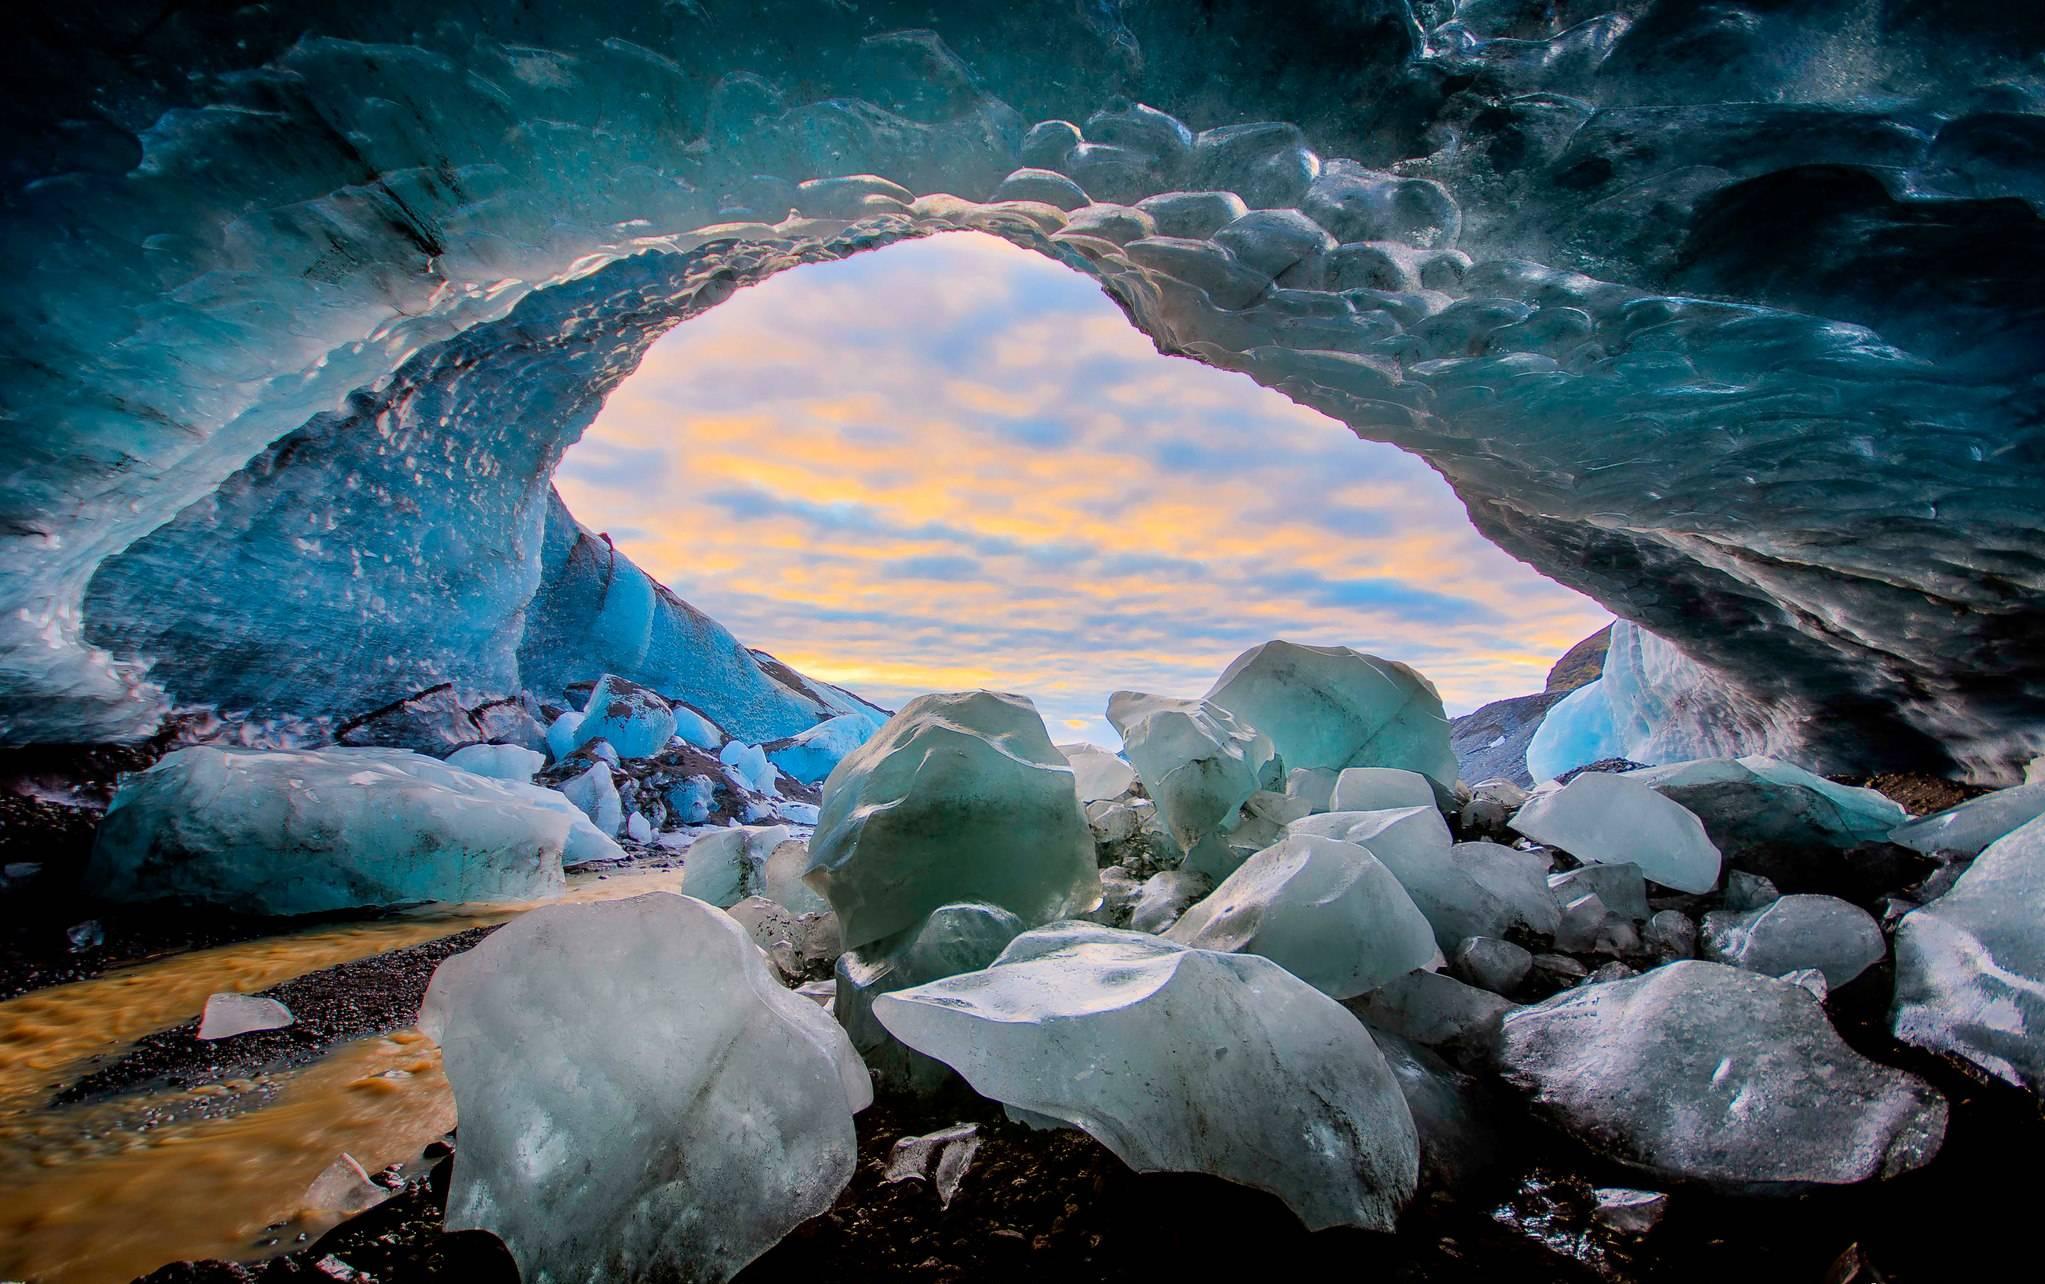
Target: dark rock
point(432, 721)
point(1581, 664)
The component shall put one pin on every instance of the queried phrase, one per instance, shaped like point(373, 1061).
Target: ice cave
point(401, 884)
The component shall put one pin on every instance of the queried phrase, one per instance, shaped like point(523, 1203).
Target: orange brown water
point(93, 1194)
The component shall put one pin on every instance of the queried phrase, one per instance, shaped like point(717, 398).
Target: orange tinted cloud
point(954, 463)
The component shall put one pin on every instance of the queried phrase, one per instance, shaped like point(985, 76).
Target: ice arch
point(1721, 313)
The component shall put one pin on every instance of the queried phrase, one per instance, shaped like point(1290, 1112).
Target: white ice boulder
point(809, 756)
point(639, 1097)
point(1326, 911)
point(632, 719)
point(1329, 706)
point(595, 795)
point(958, 797)
point(725, 866)
point(1702, 1072)
point(1970, 966)
point(1180, 1060)
point(1794, 933)
point(562, 737)
point(692, 728)
point(1198, 763)
point(747, 767)
point(1462, 889)
point(1096, 773)
point(1607, 818)
point(499, 762)
point(228, 1014)
point(310, 830)
point(1972, 825)
point(1379, 789)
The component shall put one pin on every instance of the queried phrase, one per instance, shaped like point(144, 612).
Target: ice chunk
point(797, 813)
point(1796, 932)
point(1436, 1011)
point(800, 944)
point(1326, 911)
point(638, 828)
point(633, 720)
point(1179, 1060)
point(1701, 1072)
point(1627, 1211)
point(1379, 789)
point(1744, 891)
point(639, 1097)
point(1756, 802)
point(812, 755)
point(954, 939)
point(1491, 964)
point(1198, 763)
point(499, 762)
point(959, 797)
point(1165, 897)
point(1619, 885)
point(228, 1014)
point(1589, 926)
point(1329, 706)
point(1973, 825)
point(1463, 889)
point(596, 796)
point(1670, 935)
point(1610, 819)
point(1314, 786)
point(1491, 805)
point(563, 736)
point(690, 801)
point(1577, 729)
point(304, 831)
point(940, 1158)
point(343, 1187)
point(1970, 966)
point(695, 729)
point(748, 768)
point(725, 866)
point(1096, 773)
point(1811, 979)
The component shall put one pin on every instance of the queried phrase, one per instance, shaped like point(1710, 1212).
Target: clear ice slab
point(1610, 819)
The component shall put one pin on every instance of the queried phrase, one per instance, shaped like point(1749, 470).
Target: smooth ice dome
point(1329, 706)
point(1323, 910)
point(639, 1097)
point(1462, 889)
point(1198, 763)
point(1973, 825)
point(1701, 1072)
point(228, 1014)
point(725, 866)
point(1795, 933)
point(1576, 730)
point(304, 831)
point(1180, 1060)
point(958, 798)
point(1379, 789)
point(1097, 773)
point(499, 762)
point(1970, 966)
point(1607, 818)
point(632, 719)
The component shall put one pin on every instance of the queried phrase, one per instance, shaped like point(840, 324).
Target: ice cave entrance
point(953, 463)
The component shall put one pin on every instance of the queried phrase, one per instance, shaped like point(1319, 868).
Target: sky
point(952, 463)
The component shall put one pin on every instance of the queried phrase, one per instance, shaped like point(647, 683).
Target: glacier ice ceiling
point(1723, 314)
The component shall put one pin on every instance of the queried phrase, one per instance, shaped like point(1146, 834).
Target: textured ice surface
point(1970, 966)
point(1619, 885)
point(1197, 761)
point(639, 1097)
point(1179, 1060)
point(1435, 1010)
point(1577, 729)
point(1165, 896)
point(1795, 933)
point(303, 831)
point(747, 766)
point(636, 721)
point(1379, 789)
point(697, 730)
point(1759, 801)
point(1974, 824)
point(1463, 889)
point(499, 762)
point(1698, 1071)
point(1097, 773)
point(941, 1158)
point(596, 796)
point(228, 1014)
point(1607, 818)
point(959, 797)
point(1491, 964)
point(954, 939)
point(725, 866)
point(1333, 707)
point(563, 735)
point(811, 755)
point(1314, 786)
point(1323, 910)
point(799, 944)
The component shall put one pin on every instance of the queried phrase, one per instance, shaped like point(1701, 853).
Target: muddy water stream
point(105, 1190)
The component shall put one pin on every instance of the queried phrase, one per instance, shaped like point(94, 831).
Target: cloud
point(954, 463)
